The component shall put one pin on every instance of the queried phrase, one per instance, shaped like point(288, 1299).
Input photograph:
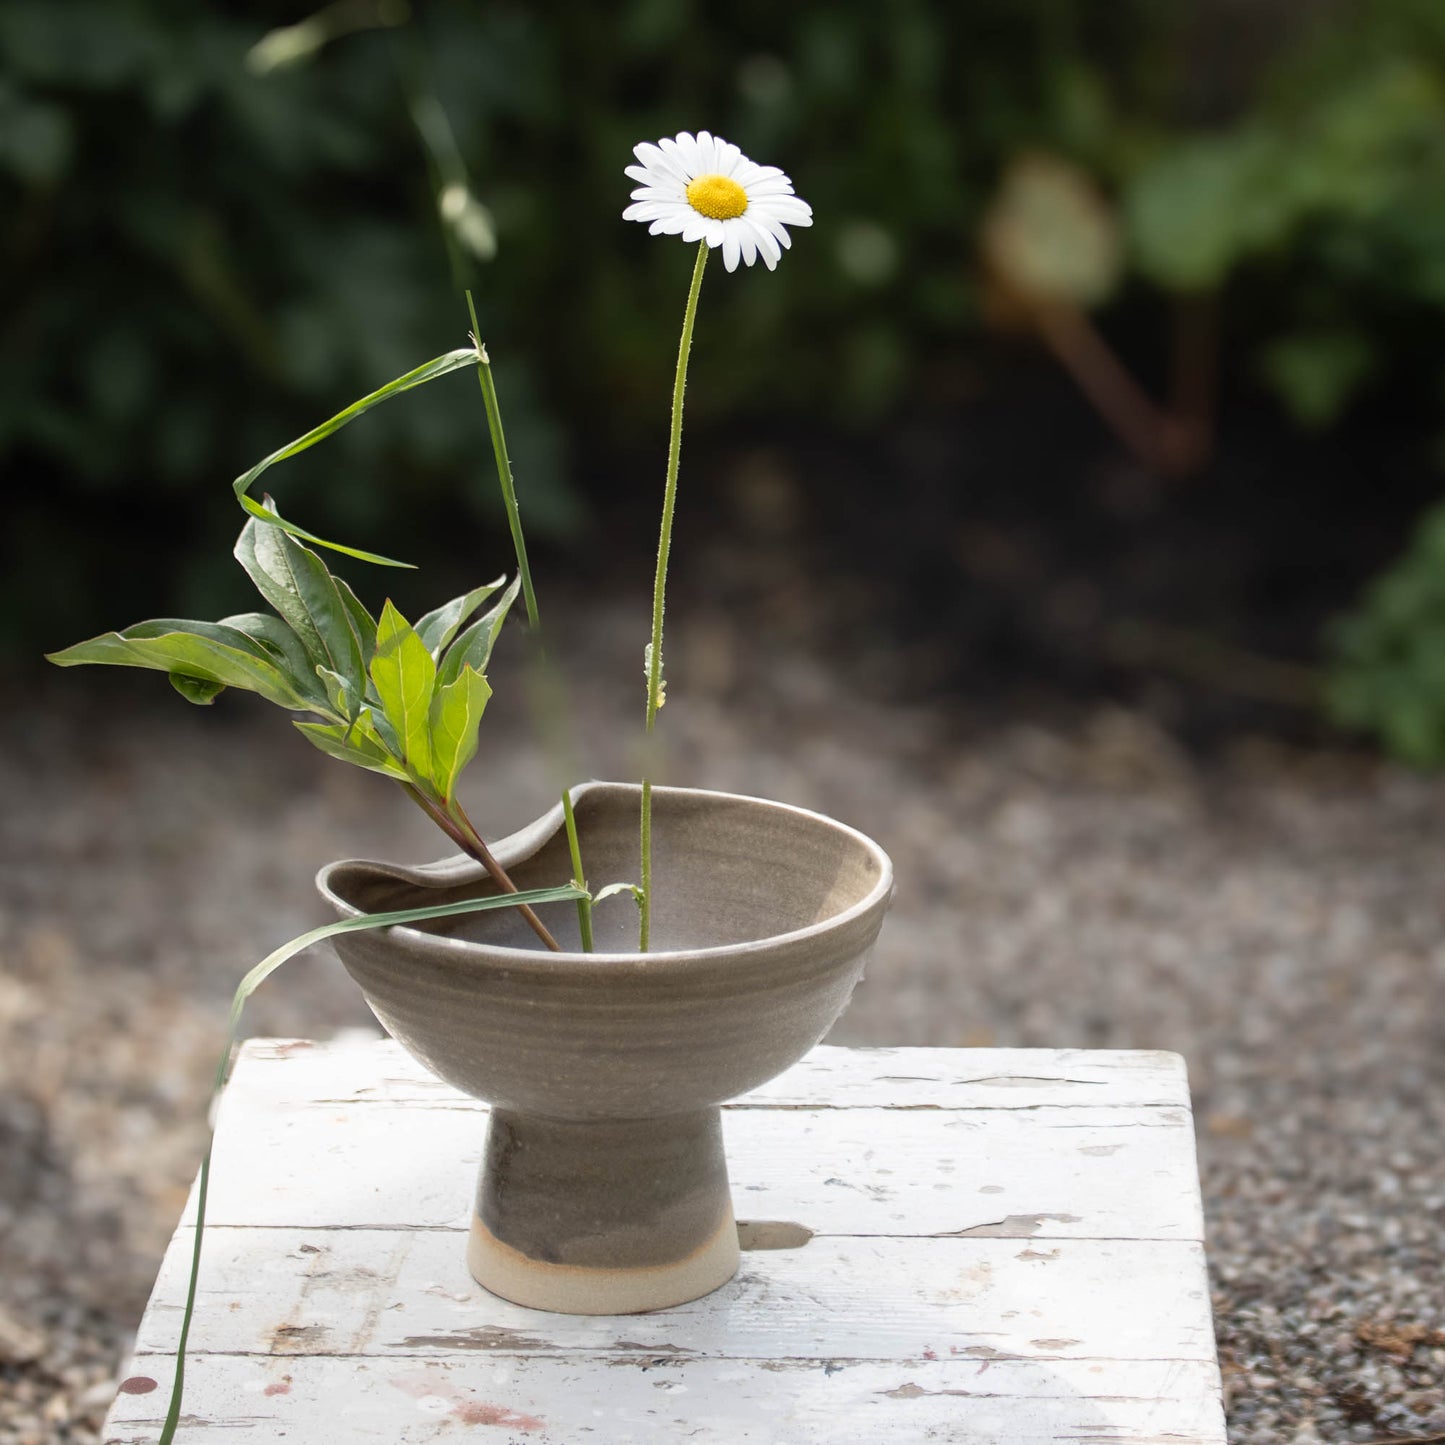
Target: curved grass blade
point(248, 986)
point(429, 371)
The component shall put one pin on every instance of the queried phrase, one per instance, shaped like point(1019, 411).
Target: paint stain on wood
point(1014, 1226)
point(1052, 1344)
point(279, 1387)
point(137, 1385)
point(465, 1407)
point(296, 1339)
point(484, 1337)
point(772, 1234)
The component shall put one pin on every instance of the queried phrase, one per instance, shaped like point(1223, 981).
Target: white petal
point(655, 159)
point(707, 152)
point(649, 210)
point(731, 248)
point(774, 227)
point(670, 192)
point(783, 187)
point(694, 227)
point(768, 247)
point(687, 154)
point(788, 209)
point(648, 175)
point(747, 239)
point(669, 225)
point(728, 158)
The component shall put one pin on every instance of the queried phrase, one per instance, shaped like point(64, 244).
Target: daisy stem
point(524, 571)
point(659, 585)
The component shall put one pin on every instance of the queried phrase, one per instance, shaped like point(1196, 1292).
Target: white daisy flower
point(703, 189)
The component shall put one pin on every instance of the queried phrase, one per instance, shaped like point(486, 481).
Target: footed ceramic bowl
point(603, 1184)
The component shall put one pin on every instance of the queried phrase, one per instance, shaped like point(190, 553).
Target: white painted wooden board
point(1006, 1249)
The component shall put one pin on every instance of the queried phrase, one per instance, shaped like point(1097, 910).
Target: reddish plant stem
point(458, 827)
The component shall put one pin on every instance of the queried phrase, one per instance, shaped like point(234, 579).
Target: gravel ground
point(1274, 915)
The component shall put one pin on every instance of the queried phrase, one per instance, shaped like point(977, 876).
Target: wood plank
point(996, 1246)
point(377, 1292)
point(895, 1078)
point(631, 1400)
point(1043, 1173)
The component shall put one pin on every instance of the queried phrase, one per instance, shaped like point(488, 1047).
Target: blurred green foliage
point(1388, 674)
point(205, 256)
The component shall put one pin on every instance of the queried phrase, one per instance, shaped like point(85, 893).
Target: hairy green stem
point(659, 583)
point(584, 905)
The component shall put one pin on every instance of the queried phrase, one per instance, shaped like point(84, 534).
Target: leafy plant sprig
point(400, 700)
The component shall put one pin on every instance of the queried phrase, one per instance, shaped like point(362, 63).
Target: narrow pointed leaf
point(343, 697)
point(274, 518)
point(373, 726)
point(362, 622)
point(208, 651)
point(281, 643)
point(474, 647)
point(353, 746)
point(429, 371)
point(456, 713)
point(405, 674)
point(298, 584)
point(438, 628)
point(196, 689)
point(247, 987)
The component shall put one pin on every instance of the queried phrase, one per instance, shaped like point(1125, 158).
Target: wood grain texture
point(994, 1246)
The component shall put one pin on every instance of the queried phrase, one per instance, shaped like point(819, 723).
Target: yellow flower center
point(717, 197)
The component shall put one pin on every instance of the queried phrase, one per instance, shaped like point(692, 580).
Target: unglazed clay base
point(582, 1290)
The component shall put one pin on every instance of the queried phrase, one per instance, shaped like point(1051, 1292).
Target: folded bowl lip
point(465, 950)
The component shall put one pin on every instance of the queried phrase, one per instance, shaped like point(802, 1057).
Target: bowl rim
point(465, 950)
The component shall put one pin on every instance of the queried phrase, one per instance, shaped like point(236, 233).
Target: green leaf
point(474, 647)
point(363, 623)
point(248, 985)
point(429, 371)
point(438, 628)
point(344, 699)
point(298, 584)
point(405, 674)
point(353, 745)
point(456, 713)
point(283, 645)
point(208, 651)
point(196, 689)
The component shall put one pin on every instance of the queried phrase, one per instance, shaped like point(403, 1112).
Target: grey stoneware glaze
point(603, 1186)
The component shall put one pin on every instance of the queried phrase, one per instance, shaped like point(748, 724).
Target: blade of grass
point(252, 981)
point(529, 595)
point(439, 366)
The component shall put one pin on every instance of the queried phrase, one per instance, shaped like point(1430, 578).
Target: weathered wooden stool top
point(993, 1246)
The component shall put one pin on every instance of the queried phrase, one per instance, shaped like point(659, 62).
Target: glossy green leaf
point(298, 584)
point(374, 726)
point(362, 622)
point(438, 627)
point(430, 371)
point(474, 647)
point(405, 674)
point(283, 645)
point(209, 651)
point(342, 695)
point(456, 713)
point(248, 985)
point(197, 689)
point(353, 745)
